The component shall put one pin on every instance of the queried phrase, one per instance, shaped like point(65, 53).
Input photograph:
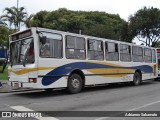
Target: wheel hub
point(75, 83)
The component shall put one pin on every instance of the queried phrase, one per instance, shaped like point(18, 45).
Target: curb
point(14, 90)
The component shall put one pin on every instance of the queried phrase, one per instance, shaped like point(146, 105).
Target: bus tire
point(137, 79)
point(75, 84)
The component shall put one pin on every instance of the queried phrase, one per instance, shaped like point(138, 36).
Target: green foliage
point(39, 19)
point(2, 23)
point(98, 24)
point(145, 25)
point(103, 31)
point(4, 75)
point(4, 34)
point(156, 44)
point(27, 21)
point(14, 16)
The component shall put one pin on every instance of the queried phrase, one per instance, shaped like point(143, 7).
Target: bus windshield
point(22, 52)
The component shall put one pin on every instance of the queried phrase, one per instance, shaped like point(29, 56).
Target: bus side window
point(137, 54)
point(75, 47)
point(153, 56)
point(148, 55)
point(95, 49)
point(111, 51)
point(52, 47)
point(125, 52)
point(45, 49)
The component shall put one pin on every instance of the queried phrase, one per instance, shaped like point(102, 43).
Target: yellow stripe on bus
point(106, 63)
point(117, 72)
point(24, 71)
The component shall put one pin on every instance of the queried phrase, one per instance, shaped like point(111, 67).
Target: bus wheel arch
point(137, 77)
point(76, 81)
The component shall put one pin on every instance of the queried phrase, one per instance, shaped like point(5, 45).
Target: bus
point(158, 59)
point(3, 58)
point(47, 59)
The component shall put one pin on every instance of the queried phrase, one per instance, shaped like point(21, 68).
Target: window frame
point(102, 48)
point(52, 46)
point(106, 48)
point(75, 46)
point(154, 56)
point(147, 55)
point(125, 53)
point(138, 54)
point(18, 62)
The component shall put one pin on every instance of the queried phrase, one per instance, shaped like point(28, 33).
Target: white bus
point(158, 59)
point(47, 59)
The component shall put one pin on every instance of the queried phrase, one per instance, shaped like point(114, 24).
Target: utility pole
point(18, 29)
point(17, 4)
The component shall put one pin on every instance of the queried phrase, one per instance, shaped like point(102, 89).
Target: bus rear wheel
point(137, 79)
point(75, 84)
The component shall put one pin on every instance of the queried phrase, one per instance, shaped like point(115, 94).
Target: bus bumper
point(21, 84)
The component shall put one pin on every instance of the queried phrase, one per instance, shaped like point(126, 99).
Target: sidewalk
point(7, 89)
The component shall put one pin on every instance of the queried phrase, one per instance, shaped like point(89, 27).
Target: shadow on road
point(87, 90)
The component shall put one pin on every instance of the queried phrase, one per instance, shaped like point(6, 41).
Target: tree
point(27, 21)
point(4, 34)
point(98, 24)
point(39, 19)
point(145, 25)
point(9, 16)
point(103, 31)
point(20, 16)
point(157, 44)
point(14, 16)
point(2, 23)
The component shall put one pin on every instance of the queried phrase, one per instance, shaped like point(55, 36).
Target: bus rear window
point(22, 52)
point(21, 35)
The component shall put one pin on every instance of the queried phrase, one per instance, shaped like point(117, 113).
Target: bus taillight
point(32, 80)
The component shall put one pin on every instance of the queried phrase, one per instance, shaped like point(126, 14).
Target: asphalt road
point(114, 97)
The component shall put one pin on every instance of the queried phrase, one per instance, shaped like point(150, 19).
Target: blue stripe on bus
point(65, 69)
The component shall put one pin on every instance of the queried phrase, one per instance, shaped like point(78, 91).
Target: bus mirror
point(43, 39)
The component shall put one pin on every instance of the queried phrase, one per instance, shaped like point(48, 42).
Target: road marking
point(146, 105)
point(136, 108)
point(22, 108)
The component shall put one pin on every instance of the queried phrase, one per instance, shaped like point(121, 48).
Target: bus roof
point(80, 35)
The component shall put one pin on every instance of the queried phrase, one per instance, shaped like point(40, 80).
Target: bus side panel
point(47, 78)
point(62, 82)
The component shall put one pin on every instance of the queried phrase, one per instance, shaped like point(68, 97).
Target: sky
point(124, 8)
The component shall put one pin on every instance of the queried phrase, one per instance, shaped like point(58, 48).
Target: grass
point(4, 75)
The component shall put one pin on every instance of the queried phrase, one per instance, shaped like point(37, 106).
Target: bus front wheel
point(137, 79)
point(75, 84)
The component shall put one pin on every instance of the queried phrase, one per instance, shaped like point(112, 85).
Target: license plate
point(16, 85)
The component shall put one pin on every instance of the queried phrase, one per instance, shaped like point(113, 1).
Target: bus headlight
point(32, 80)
